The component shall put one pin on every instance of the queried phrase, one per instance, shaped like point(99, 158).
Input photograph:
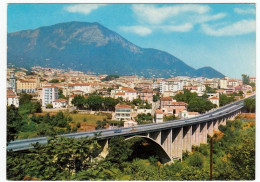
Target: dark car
point(117, 131)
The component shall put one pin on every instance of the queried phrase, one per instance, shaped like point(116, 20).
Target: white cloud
point(237, 28)
point(140, 30)
point(83, 8)
point(245, 11)
point(177, 28)
point(157, 15)
point(206, 18)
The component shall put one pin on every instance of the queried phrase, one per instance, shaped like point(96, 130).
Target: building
point(186, 114)
point(49, 94)
point(60, 103)
point(170, 106)
point(130, 123)
point(27, 86)
point(123, 112)
point(86, 88)
point(12, 98)
point(130, 93)
point(12, 82)
point(252, 79)
point(146, 95)
point(214, 100)
point(223, 83)
point(158, 116)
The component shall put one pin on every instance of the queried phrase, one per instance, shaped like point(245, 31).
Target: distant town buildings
point(47, 85)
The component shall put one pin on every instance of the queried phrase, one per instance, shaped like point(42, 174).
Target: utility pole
point(211, 151)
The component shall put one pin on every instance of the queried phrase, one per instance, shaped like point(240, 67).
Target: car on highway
point(117, 131)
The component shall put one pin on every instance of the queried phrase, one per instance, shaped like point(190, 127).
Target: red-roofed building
point(12, 98)
point(170, 106)
point(123, 112)
point(146, 95)
point(60, 103)
point(158, 116)
point(214, 100)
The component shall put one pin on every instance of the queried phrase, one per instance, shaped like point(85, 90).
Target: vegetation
point(169, 118)
point(54, 81)
point(27, 106)
point(245, 79)
point(210, 90)
point(195, 103)
point(144, 118)
point(110, 77)
point(225, 99)
point(73, 159)
point(250, 104)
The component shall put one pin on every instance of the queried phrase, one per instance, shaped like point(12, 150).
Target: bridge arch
point(166, 157)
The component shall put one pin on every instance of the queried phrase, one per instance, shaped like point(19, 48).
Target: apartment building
point(123, 112)
point(49, 94)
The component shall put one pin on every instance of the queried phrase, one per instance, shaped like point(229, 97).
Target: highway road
point(18, 145)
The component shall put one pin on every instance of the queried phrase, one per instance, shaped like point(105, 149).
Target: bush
point(196, 160)
point(49, 106)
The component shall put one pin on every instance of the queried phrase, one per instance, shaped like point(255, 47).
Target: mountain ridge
point(91, 47)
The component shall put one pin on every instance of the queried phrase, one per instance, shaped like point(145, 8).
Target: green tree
point(245, 79)
point(224, 99)
point(49, 106)
point(79, 101)
point(24, 98)
point(94, 102)
point(110, 103)
point(61, 96)
point(250, 104)
point(14, 123)
point(54, 81)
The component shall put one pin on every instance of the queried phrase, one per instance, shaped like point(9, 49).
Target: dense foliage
point(225, 99)
point(250, 104)
point(144, 118)
point(27, 106)
point(195, 103)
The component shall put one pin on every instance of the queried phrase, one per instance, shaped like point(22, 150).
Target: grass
point(89, 118)
point(87, 121)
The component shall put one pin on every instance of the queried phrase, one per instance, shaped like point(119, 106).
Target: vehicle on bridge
point(117, 131)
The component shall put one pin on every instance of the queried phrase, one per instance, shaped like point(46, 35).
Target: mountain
point(91, 47)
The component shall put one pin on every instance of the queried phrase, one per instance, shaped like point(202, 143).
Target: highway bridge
point(174, 137)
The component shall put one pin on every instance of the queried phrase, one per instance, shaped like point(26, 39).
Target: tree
point(110, 103)
point(14, 123)
point(94, 102)
point(245, 79)
point(79, 101)
point(224, 99)
point(61, 94)
point(187, 96)
point(24, 98)
point(200, 105)
point(49, 106)
point(54, 81)
point(210, 90)
point(110, 77)
point(250, 104)
point(59, 159)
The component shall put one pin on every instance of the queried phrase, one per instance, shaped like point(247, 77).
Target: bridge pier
point(203, 132)
point(187, 138)
point(210, 128)
point(156, 136)
point(177, 142)
point(166, 140)
point(215, 125)
point(195, 135)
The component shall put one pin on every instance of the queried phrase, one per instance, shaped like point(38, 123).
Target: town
point(126, 101)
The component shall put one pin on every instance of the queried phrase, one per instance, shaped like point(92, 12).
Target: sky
point(222, 36)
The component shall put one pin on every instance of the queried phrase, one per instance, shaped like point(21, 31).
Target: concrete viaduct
point(174, 137)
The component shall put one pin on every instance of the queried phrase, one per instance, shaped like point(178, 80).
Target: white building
point(158, 116)
point(12, 98)
point(49, 94)
point(84, 87)
point(186, 114)
point(130, 123)
point(60, 103)
point(214, 100)
point(123, 112)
